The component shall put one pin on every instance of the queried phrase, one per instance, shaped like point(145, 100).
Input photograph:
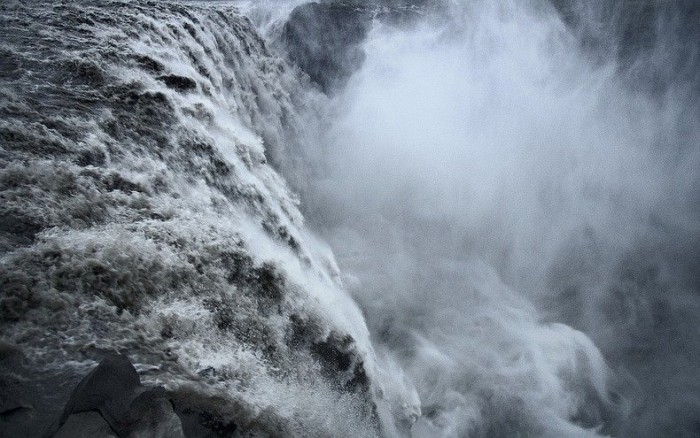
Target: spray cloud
point(511, 191)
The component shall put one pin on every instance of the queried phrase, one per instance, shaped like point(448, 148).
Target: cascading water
point(140, 215)
point(510, 190)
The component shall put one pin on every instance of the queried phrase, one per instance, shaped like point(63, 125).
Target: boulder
point(203, 416)
point(110, 401)
point(151, 415)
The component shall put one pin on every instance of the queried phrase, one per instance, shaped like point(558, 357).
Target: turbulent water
point(509, 191)
point(140, 215)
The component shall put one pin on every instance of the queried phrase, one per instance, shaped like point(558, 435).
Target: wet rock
point(106, 389)
point(202, 416)
point(149, 64)
point(85, 71)
point(91, 157)
point(324, 40)
point(179, 83)
point(85, 425)
point(13, 423)
point(151, 415)
point(113, 392)
point(114, 181)
point(341, 362)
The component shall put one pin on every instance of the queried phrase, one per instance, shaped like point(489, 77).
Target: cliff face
point(325, 39)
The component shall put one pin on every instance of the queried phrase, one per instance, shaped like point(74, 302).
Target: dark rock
point(85, 425)
point(201, 424)
point(9, 352)
point(202, 416)
point(112, 382)
point(655, 42)
point(85, 71)
point(324, 40)
point(13, 400)
point(149, 64)
point(179, 83)
point(113, 391)
point(91, 157)
point(114, 181)
point(14, 422)
point(19, 225)
point(340, 361)
point(18, 296)
point(16, 409)
point(151, 415)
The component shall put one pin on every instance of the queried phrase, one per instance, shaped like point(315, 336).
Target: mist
point(511, 191)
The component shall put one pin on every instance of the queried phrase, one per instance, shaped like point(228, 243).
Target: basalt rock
point(110, 401)
point(324, 40)
point(179, 83)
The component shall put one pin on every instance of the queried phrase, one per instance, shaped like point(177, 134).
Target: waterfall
point(353, 219)
point(141, 215)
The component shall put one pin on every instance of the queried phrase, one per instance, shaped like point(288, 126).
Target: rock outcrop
point(324, 40)
point(112, 402)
